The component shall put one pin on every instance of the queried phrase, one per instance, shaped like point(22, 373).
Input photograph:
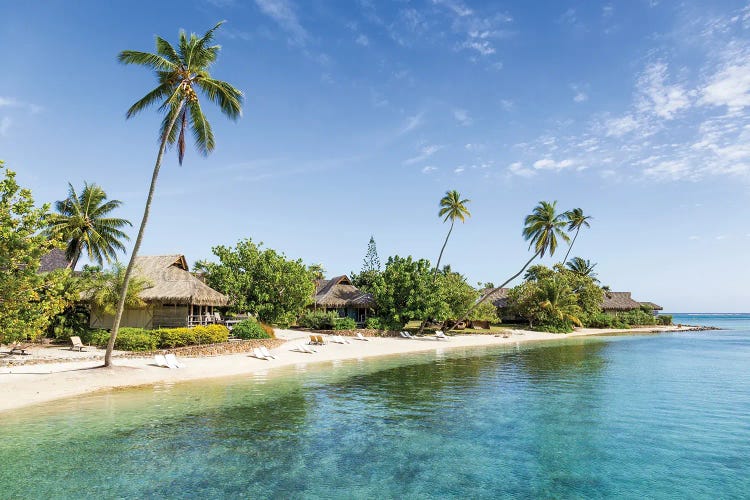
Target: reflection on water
point(660, 417)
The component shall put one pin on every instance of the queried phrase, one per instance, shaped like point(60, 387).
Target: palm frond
point(147, 59)
point(160, 92)
point(228, 98)
point(202, 133)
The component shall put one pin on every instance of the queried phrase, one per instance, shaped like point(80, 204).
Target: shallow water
point(658, 416)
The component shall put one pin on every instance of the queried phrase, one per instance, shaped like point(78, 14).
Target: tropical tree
point(83, 223)
point(582, 267)
point(179, 72)
point(370, 271)
point(542, 228)
point(452, 208)
point(104, 288)
point(576, 220)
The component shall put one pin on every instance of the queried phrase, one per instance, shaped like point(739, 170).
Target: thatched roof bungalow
point(175, 295)
point(53, 260)
point(655, 308)
point(338, 294)
point(617, 302)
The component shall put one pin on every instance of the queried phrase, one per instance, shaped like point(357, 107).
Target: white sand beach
point(33, 383)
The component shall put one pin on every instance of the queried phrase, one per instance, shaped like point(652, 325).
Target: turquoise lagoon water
point(658, 416)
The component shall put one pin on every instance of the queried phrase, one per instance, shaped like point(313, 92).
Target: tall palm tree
point(576, 220)
point(83, 222)
point(452, 208)
point(582, 267)
point(179, 72)
point(542, 228)
point(559, 301)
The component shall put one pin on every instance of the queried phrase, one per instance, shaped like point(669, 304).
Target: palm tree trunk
point(74, 261)
point(437, 269)
point(487, 295)
point(139, 239)
point(571, 245)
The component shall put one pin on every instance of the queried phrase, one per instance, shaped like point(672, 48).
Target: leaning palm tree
point(576, 220)
point(179, 72)
point(452, 208)
point(582, 267)
point(83, 222)
point(542, 228)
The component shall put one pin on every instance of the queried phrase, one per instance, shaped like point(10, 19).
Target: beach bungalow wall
point(173, 297)
point(339, 295)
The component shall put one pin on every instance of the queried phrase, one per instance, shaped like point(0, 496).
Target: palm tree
point(105, 287)
point(82, 221)
point(559, 301)
point(453, 208)
point(582, 267)
point(179, 72)
point(542, 228)
point(576, 220)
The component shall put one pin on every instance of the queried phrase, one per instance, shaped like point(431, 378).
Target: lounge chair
point(172, 361)
point(20, 347)
point(320, 339)
point(440, 335)
point(408, 335)
point(264, 350)
point(161, 361)
point(313, 340)
point(77, 344)
point(336, 339)
point(359, 336)
point(257, 353)
point(303, 348)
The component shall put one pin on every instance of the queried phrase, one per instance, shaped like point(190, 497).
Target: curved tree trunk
point(74, 261)
point(487, 295)
point(571, 245)
point(437, 270)
point(139, 239)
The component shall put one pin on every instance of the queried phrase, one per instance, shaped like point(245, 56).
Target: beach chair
point(336, 339)
point(161, 361)
point(20, 347)
point(320, 339)
point(264, 350)
point(440, 335)
point(359, 336)
point(402, 334)
point(77, 344)
point(313, 340)
point(303, 348)
point(257, 353)
point(172, 361)
point(408, 335)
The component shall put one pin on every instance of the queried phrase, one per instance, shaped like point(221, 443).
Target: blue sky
point(360, 115)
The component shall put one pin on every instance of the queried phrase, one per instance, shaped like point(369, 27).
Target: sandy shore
point(38, 383)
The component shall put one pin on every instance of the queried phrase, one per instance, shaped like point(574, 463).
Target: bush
point(175, 337)
point(664, 319)
point(250, 329)
point(211, 334)
point(599, 320)
point(554, 327)
point(374, 323)
point(344, 324)
point(135, 339)
point(98, 338)
point(318, 320)
point(269, 330)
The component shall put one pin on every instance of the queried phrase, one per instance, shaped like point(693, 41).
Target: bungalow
point(654, 308)
point(618, 302)
point(173, 298)
point(53, 260)
point(338, 294)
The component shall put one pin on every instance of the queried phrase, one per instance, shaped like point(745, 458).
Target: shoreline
point(37, 383)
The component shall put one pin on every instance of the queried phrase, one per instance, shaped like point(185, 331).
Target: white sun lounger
point(161, 361)
point(264, 350)
point(172, 361)
point(360, 336)
point(440, 335)
point(407, 335)
point(257, 353)
point(302, 348)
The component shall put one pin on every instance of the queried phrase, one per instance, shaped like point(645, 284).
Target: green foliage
point(455, 296)
point(637, 317)
point(84, 223)
point(664, 319)
point(74, 320)
point(28, 300)
point(318, 320)
point(374, 323)
point(261, 281)
point(139, 339)
point(543, 227)
point(104, 286)
point(405, 291)
point(370, 268)
point(136, 339)
point(250, 329)
point(486, 311)
point(346, 323)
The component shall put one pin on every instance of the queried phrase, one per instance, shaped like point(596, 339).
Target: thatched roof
point(619, 301)
point(500, 298)
point(173, 283)
point(652, 306)
point(53, 260)
point(339, 292)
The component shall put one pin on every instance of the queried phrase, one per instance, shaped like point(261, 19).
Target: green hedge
point(318, 320)
point(344, 324)
point(250, 329)
point(139, 339)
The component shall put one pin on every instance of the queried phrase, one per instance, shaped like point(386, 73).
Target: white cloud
point(462, 116)
point(362, 40)
point(428, 169)
point(549, 164)
point(283, 12)
point(729, 87)
point(5, 124)
point(458, 170)
point(658, 97)
point(458, 8)
point(694, 237)
point(580, 96)
point(8, 102)
point(518, 169)
point(506, 104)
point(618, 127)
point(424, 153)
point(411, 123)
point(669, 170)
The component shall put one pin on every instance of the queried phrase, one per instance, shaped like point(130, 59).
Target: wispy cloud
point(462, 116)
point(428, 169)
point(518, 169)
point(283, 12)
point(362, 40)
point(424, 153)
point(411, 123)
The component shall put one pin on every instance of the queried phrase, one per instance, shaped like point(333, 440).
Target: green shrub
point(269, 330)
point(555, 327)
point(344, 324)
point(374, 323)
point(136, 339)
point(599, 320)
point(664, 319)
point(249, 329)
point(637, 318)
point(318, 320)
point(175, 337)
point(98, 338)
